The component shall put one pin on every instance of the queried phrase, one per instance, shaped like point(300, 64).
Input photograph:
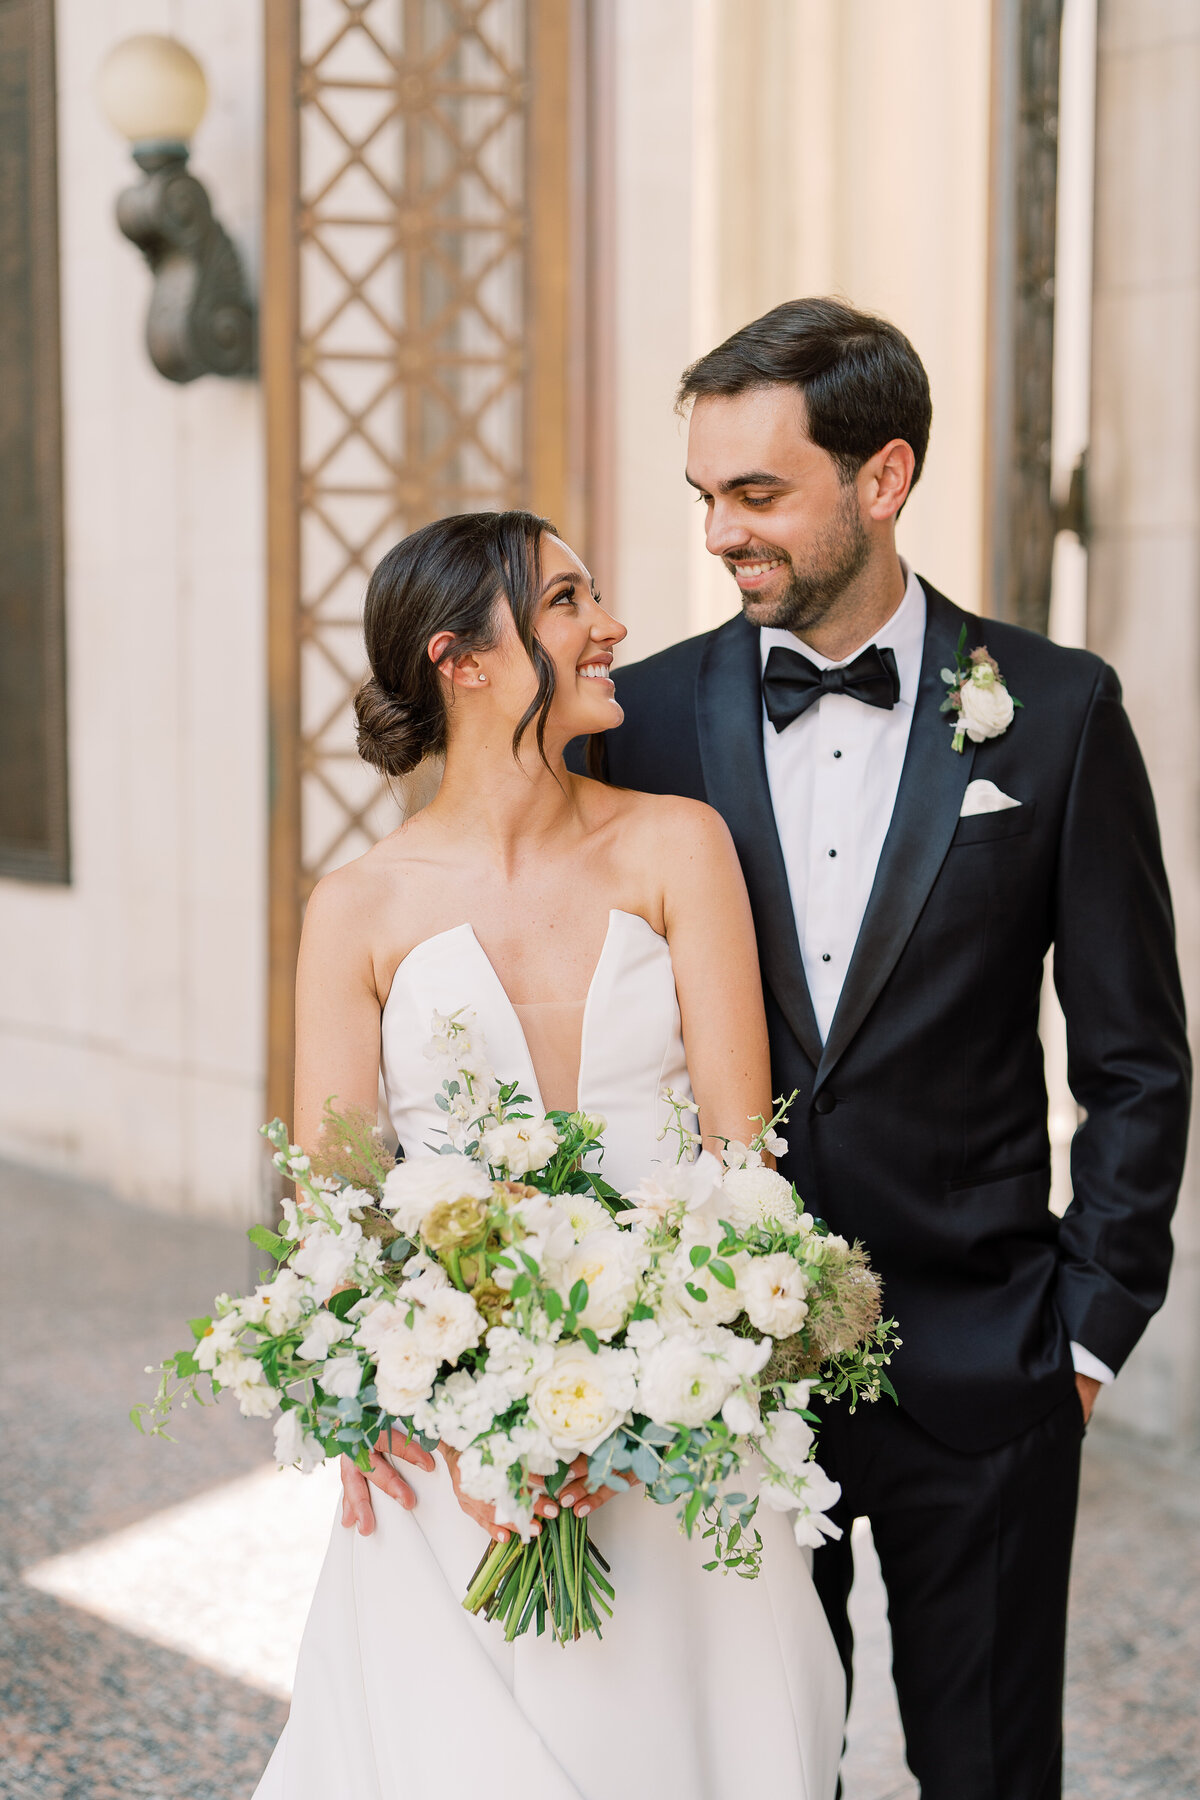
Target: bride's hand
point(543, 1507)
point(574, 1493)
point(357, 1508)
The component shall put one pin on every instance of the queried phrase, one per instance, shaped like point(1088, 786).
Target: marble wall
point(131, 1001)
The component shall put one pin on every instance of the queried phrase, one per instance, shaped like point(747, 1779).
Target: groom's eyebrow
point(755, 478)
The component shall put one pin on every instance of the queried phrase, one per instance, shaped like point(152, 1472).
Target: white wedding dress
point(705, 1686)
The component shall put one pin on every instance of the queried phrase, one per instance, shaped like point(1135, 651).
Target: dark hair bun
point(392, 735)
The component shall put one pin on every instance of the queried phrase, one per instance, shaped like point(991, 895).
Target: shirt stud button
point(833, 853)
point(836, 755)
point(825, 956)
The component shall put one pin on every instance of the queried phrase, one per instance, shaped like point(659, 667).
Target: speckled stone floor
point(91, 1291)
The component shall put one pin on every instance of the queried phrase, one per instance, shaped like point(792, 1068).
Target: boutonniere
point(976, 695)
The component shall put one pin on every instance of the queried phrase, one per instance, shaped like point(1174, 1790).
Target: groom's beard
point(837, 558)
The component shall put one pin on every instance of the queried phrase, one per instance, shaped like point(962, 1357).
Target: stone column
point(1144, 593)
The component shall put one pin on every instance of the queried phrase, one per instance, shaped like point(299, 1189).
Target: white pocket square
point(984, 797)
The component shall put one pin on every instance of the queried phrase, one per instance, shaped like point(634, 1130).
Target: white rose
point(448, 1323)
point(342, 1377)
point(773, 1288)
point(415, 1186)
point(295, 1445)
point(583, 1397)
point(323, 1332)
point(611, 1263)
point(987, 708)
point(520, 1145)
point(404, 1374)
point(757, 1197)
point(685, 1380)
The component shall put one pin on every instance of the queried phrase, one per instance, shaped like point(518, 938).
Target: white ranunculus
point(447, 1323)
point(583, 1397)
point(520, 1145)
point(757, 1197)
point(773, 1288)
point(611, 1262)
point(342, 1377)
point(415, 1186)
point(294, 1445)
point(670, 1186)
point(987, 708)
point(685, 1380)
point(324, 1331)
point(404, 1374)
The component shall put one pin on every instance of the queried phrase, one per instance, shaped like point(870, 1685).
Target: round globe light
point(152, 90)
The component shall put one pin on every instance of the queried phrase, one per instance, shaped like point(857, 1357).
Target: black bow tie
point(791, 684)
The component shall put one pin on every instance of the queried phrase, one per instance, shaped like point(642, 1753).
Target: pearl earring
point(483, 678)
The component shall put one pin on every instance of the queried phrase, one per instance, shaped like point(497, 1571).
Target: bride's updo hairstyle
point(451, 575)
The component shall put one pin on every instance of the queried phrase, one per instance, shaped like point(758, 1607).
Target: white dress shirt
point(833, 774)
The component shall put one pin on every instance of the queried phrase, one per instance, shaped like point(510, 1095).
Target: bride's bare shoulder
point(349, 899)
point(670, 817)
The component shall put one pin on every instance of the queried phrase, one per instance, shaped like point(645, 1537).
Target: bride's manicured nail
point(550, 1511)
point(581, 1512)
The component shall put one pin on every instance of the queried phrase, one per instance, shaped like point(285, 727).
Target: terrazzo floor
point(153, 1594)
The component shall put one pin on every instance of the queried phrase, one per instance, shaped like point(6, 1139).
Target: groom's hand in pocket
point(357, 1508)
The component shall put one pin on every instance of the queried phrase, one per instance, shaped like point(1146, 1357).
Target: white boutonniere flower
point(976, 696)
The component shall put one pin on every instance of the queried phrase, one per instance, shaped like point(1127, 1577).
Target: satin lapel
point(729, 723)
point(932, 786)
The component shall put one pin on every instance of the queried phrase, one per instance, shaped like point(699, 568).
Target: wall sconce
point(201, 318)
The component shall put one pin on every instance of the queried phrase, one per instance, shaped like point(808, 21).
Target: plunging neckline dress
point(704, 1686)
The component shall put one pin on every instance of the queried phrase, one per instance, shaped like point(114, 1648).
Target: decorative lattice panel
point(411, 254)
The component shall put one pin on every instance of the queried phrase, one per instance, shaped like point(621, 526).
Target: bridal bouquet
point(499, 1297)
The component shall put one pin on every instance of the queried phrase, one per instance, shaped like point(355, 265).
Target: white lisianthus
point(611, 1262)
point(583, 1213)
point(583, 1397)
point(294, 1445)
point(520, 1145)
point(673, 1186)
point(987, 707)
point(414, 1187)
point(773, 1288)
point(757, 1197)
point(789, 1441)
point(324, 1331)
point(247, 1382)
point(448, 1323)
point(684, 1380)
point(741, 1413)
point(342, 1376)
point(404, 1374)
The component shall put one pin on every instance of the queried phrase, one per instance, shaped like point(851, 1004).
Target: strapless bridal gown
point(704, 1687)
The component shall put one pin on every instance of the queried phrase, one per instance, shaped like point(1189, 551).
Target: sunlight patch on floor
point(226, 1578)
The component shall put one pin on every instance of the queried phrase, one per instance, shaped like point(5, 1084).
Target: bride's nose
point(607, 630)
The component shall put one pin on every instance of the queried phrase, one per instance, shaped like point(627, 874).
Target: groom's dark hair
point(862, 381)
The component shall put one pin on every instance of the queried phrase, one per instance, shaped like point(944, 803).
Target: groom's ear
point(885, 480)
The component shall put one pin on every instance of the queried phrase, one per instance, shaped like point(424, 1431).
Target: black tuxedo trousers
point(920, 1123)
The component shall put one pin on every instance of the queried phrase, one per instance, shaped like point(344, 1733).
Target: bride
point(603, 940)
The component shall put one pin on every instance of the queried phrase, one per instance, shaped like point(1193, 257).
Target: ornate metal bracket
point(201, 318)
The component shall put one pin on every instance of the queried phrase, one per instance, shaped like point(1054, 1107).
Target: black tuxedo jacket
point(920, 1125)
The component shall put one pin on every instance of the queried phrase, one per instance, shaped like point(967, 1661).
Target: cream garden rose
point(987, 707)
point(520, 1145)
point(582, 1397)
point(610, 1262)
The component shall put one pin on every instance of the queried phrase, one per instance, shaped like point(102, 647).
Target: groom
point(909, 867)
